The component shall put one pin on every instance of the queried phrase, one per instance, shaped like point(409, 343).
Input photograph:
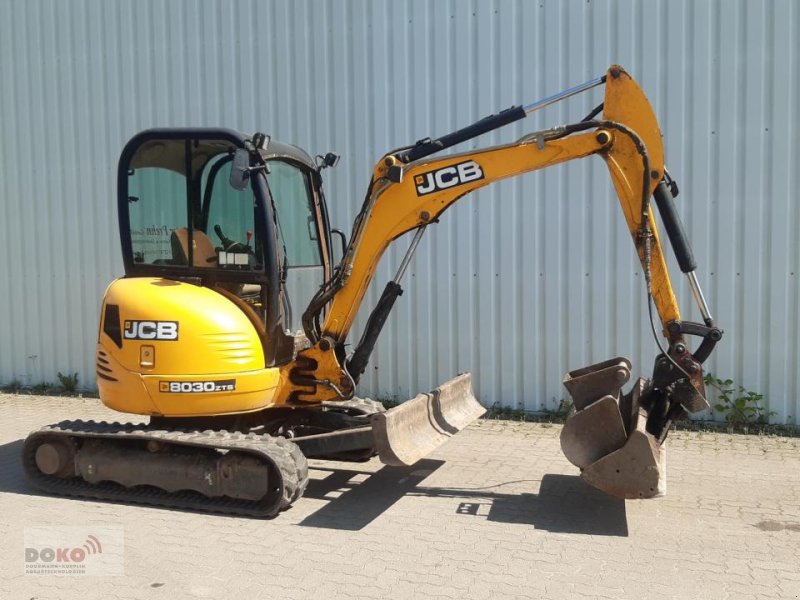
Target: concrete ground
point(497, 512)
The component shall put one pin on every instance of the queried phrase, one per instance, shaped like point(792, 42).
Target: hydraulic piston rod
point(699, 298)
point(539, 104)
point(358, 361)
point(427, 146)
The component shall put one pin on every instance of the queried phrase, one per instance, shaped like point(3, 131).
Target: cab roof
point(164, 147)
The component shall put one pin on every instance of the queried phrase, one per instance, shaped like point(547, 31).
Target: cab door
point(303, 240)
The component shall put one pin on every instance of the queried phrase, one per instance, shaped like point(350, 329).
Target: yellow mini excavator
point(201, 336)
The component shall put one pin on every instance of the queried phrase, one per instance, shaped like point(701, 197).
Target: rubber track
point(278, 452)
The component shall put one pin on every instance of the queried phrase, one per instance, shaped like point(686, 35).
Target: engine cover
point(171, 348)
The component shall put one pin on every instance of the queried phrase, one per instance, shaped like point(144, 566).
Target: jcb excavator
point(202, 337)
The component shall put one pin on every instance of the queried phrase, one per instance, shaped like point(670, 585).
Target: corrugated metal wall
point(519, 282)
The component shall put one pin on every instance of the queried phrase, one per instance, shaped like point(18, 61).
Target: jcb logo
point(447, 177)
point(151, 330)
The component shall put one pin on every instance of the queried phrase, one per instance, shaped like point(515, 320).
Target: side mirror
point(331, 159)
point(240, 169)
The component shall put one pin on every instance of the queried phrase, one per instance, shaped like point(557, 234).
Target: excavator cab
point(191, 209)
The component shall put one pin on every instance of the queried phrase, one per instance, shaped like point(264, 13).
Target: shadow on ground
point(11, 478)
point(355, 498)
point(564, 504)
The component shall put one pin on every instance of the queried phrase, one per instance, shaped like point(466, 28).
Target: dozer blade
point(607, 437)
point(407, 433)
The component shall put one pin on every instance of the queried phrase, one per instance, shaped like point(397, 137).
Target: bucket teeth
point(606, 436)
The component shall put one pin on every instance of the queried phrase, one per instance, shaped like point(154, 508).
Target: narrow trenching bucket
point(606, 436)
point(407, 433)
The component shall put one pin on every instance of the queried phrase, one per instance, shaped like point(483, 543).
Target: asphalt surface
point(497, 512)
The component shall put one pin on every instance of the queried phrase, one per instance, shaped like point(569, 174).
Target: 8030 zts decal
point(196, 387)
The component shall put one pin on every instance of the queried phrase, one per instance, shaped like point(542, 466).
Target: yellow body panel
point(211, 362)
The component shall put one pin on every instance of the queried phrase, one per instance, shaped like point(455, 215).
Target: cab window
point(156, 208)
point(229, 216)
point(182, 208)
point(299, 240)
point(297, 226)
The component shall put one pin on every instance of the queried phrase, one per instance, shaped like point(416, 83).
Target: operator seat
point(204, 255)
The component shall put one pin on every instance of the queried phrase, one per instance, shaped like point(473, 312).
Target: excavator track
point(286, 465)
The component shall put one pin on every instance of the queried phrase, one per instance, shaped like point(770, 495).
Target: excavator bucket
point(407, 433)
point(607, 438)
point(636, 470)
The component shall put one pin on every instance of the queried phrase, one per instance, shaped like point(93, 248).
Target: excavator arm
point(410, 189)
